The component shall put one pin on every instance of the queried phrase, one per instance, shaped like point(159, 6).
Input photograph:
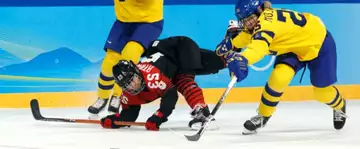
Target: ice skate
point(96, 108)
point(114, 105)
point(200, 115)
point(340, 117)
point(251, 126)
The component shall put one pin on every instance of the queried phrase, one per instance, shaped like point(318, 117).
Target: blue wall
point(80, 31)
point(22, 3)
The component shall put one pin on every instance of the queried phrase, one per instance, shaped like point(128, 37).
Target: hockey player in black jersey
point(177, 59)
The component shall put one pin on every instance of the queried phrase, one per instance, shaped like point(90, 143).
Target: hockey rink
point(293, 126)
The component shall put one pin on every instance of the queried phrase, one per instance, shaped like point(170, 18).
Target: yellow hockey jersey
point(282, 31)
point(139, 10)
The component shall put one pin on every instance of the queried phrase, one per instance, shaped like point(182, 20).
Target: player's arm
point(129, 113)
point(254, 52)
point(163, 86)
point(261, 39)
point(169, 97)
point(241, 40)
point(259, 46)
point(168, 101)
point(233, 43)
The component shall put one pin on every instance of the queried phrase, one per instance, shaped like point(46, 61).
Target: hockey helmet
point(128, 76)
point(245, 8)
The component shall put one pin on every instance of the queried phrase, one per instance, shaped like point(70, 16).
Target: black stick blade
point(195, 137)
point(35, 110)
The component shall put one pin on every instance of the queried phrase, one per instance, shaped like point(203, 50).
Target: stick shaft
point(35, 109)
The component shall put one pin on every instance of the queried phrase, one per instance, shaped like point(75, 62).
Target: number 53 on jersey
point(155, 82)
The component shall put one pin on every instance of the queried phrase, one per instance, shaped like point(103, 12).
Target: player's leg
point(285, 68)
point(132, 51)
point(188, 54)
point(211, 63)
point(323, 76)
point(114, 44)
point(185, 82)
point(193, 94)
point(143, 34)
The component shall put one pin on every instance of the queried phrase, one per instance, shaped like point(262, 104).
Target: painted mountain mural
point(91, 72)
point(7, 58)
point(60, 63)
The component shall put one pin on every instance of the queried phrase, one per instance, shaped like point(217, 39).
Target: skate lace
point(339, 115)
point(115, 101)
point(197, 112)
point(257, 120)
point(99, 103)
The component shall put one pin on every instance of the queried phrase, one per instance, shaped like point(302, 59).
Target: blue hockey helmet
point(245, 8)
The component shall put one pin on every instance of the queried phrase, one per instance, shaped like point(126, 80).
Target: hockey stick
point(35, 110)
point(197, 136)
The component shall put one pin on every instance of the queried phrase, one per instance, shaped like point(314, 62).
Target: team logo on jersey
point(257, 35)
point(238, 10)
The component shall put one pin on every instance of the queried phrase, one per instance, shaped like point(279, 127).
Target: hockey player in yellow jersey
point(138, 22)
point(298, 40)
point(139, 10)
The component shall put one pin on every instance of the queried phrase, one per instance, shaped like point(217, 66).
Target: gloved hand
point(233, 29)
point(108, 121)
point(224, 47)
point(238, 65)
point(154, 121)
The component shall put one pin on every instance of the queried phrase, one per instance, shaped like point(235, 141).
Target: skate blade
point(110, 113)
point(212, 126)
point(93, 117)
point(249, 132)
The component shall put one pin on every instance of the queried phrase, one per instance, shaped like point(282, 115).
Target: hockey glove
point(224, 47)
point(238, 65)
point(154, 122)
point(233, 29)
point(108, 121)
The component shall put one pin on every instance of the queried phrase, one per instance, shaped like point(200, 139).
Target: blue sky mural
point(45, 41)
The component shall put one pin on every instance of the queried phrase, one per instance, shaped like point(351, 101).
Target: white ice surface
point(299, 125)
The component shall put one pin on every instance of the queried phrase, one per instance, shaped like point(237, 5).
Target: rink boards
point(236, 95)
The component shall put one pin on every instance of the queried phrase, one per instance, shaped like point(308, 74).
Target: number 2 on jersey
point(299, 22)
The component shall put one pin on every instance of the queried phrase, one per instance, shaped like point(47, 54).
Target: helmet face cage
point(128, 77)
point(130, 86)
point(250, 21)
